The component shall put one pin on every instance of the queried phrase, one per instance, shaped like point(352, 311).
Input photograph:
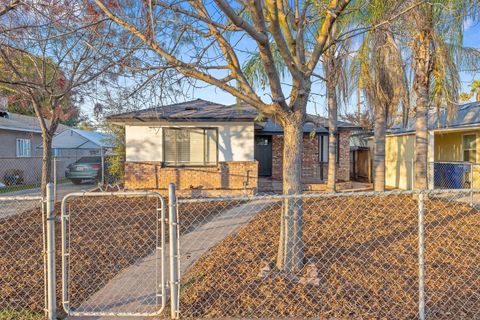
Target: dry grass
point(365, 251)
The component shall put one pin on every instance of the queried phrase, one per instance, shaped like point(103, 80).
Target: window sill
point(190, 165)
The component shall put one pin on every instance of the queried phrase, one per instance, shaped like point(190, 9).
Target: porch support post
point(431, 159)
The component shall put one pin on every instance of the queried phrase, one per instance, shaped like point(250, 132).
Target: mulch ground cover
point(106, 236)
point(362, 252)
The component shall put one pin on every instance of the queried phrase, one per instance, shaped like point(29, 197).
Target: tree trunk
point(421, 86)
point(380, 128)
point(291, 248)
point(421, 139)
point(332, 137)
point(46, 162)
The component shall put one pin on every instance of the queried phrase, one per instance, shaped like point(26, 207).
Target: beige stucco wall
point(235, 140)
point(448, 145)
point(399, 154)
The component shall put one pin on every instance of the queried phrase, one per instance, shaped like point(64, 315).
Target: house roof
point(466, 116)
point(19, 122)
point(201, 110)
point(196, 110)
point(81, 139)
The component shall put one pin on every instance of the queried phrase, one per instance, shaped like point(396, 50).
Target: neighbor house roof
point(201, 110)
point(19, 122)
point(81, 139)
point(320, 125)
point(466, 116)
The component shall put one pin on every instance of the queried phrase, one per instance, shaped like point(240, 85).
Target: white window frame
point(23, 148)
point(204, 164)
point(463, 150)
point(56, 152)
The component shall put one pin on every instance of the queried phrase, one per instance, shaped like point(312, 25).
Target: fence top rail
point(111, 193)
point(329, 195)
point(455, 162)
point(14, 198)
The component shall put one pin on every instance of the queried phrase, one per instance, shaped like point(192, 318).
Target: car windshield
point(89, 160)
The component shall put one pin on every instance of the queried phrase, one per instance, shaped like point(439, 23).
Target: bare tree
point(8, 6)
point(223, 32)
point(50, 52)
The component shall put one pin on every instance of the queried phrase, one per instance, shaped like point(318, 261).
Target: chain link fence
point(392, 255)
point(24, 175)
point(440, 175)
point(454, 175)
point(22, 254)
point(113, 253)
point(351, 255)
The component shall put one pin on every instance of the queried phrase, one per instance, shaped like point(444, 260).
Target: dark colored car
point(85, 168)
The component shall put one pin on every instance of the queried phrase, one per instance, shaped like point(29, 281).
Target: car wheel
point(77, 181)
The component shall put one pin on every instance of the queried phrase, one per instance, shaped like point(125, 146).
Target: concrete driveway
point(13, 207)
point(62, 190)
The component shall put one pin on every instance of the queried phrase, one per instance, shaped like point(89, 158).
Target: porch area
point(271, 185)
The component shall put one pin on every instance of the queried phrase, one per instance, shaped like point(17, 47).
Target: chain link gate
point(113, 256)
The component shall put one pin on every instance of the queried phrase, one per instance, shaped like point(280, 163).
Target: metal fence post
point(172, 234)
point(55, 182)
point(50, 217)
point(471, 184)
point(421, 256)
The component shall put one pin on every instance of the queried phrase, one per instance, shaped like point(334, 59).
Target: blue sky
point(471, 39)
point(211, 93)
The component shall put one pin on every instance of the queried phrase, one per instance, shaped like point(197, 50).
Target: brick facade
point(234, 177)
point(228, 176)
point(311, 166)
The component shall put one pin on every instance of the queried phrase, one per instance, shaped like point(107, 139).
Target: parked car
point(85, 168)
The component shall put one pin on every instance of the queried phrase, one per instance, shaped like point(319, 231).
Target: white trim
point(461, 146)
point(26, 145)
point(20, 129)
point(440, 130)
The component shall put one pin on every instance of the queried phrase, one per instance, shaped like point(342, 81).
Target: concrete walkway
point(134, 289)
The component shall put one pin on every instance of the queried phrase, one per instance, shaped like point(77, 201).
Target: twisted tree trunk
point(46, 162)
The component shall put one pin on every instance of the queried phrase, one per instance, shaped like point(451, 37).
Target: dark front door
point(263, 154)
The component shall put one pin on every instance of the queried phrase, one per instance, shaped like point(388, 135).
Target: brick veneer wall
point(310, 161)
point(152, 175)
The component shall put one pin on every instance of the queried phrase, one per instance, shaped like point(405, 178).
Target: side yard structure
point(452, 147)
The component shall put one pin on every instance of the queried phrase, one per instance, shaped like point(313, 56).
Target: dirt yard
point(106, 236)
point(364, 252)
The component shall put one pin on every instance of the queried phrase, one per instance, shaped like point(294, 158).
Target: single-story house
point(206, 147)
point(452, 150)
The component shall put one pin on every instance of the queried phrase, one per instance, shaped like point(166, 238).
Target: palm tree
point(475, 89)
point(334, 62)
point(379, 71)
point(436, 32)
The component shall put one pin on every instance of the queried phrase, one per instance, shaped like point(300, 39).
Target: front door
point(263, 154)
